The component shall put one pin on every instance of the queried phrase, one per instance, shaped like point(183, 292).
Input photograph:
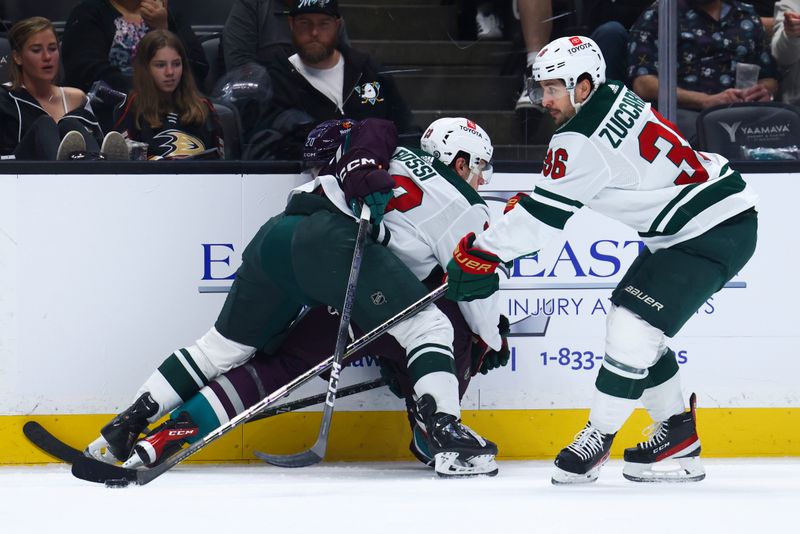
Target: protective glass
point(537, 93)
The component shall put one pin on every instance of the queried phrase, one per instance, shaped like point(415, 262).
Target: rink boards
point(102, 276)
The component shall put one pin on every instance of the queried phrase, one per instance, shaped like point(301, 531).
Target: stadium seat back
point(231, 130)
point(206, 17)
point(751, 131)
point(56, 10)
point(216, 63)
point(5, 60)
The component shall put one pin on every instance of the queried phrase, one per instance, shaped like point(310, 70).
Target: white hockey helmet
point(448, 136)
point(567, 59)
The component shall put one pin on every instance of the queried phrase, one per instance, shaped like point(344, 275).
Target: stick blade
point(47, 442)
point(93, 470)
point(301, 459)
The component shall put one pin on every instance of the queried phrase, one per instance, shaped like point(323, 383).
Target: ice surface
point(754, 496)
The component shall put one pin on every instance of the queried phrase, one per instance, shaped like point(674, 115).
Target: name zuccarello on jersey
point(622, 118)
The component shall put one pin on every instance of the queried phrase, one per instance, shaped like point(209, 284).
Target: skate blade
point(449, 465)
point(134, 462)
point(98, 449)
point(688, 470)
point(564, 478)
point(561, 477)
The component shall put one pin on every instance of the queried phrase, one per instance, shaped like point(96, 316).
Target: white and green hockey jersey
point(619, 157)
point(432, 209)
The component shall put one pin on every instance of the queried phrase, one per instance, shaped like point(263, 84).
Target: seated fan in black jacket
point(165, 109)
point(40, 120)
point(322, 80)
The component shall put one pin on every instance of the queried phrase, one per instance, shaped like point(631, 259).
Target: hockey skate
point(580, 461)
point(673, 439)
point(457, 450)
point(162, 442)
point(118, 437)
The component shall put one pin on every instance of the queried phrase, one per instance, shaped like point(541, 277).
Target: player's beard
point(316, 51)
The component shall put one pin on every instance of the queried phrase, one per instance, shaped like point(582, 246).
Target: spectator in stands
point(101, 39)
point(257, 29)
point(535, 18)
point(40, 120)
point(607, 23)
point(786, 47)
point(322, 81)
point(165, 109)
point(713, 36)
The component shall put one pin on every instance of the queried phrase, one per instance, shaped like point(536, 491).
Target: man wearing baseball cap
point(323, 80)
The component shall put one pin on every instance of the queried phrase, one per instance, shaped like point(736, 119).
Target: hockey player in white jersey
point(615, 154)
point(288, 263)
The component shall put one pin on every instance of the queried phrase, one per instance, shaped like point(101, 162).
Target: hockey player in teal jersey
point(615, 154)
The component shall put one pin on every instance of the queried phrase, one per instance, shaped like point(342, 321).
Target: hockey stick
point(317, 451)
point(96, 471)
point(316, 399)
point(47, 442)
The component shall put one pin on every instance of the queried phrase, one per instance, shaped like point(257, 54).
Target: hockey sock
point(618, 388)
point(431, 369)
point(609, 413)
point(663, 396)
point(176, 380)
point(202, 413)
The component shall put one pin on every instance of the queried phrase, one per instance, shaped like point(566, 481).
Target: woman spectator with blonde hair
point(41, 120)
point(165, 109)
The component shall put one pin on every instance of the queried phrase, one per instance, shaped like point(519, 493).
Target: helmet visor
point(485, 169)
point(538, 93)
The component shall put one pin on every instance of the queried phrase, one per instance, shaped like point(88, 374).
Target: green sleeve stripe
point(433, 362)
point(549, 215)
point(706, 198)
point(428, 346)
point(558, 198)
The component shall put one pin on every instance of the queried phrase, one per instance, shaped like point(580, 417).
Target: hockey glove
point(485, 359)
point(513, 201)
point(470, 274)
point(363, 179)
point(377, 205)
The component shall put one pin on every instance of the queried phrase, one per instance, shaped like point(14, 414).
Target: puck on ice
point(117, 483)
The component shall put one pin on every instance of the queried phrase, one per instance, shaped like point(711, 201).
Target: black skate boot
point(457, 449)
point(580, 461)
point(162, 442)
point(673, 439)
point(118, 437)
